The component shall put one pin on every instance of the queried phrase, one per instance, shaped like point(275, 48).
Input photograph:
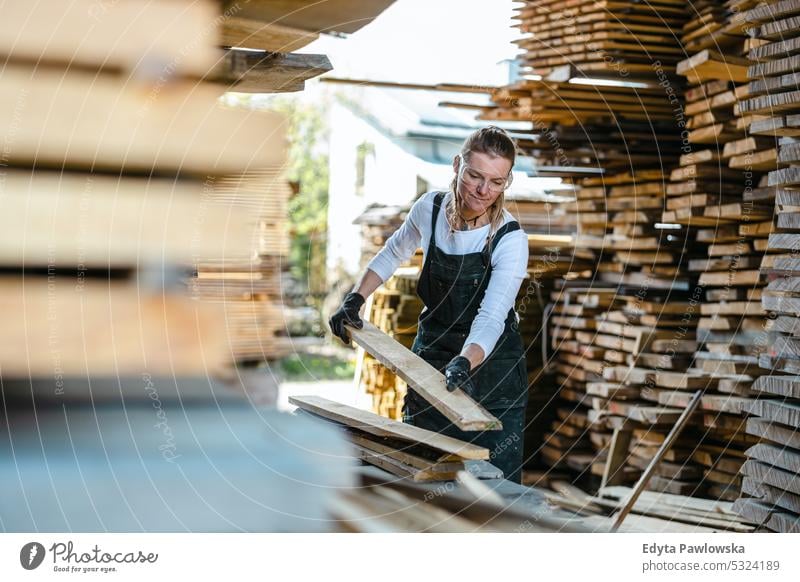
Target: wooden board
point(150, 38)
point(774, 432)
point(782, 457)
point(255, 72)
point(710, 65)
point(343, 16)
point(426, 380)
point(236, 31)
point(384, 427)
point(786, 413)
point(101, 221)
point(779, 385)
point(55, 326)
point(400, 469)
point(772, 476)
point(83, 120)
point(771, 495)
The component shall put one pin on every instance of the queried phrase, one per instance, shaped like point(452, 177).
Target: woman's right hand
point(347, 314)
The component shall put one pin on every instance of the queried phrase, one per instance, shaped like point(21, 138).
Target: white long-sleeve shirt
point(509, 262)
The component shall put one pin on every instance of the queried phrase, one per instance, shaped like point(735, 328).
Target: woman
point(475, 259)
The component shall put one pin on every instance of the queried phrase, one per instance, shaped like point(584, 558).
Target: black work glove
point(456, 374)
point(347, 313)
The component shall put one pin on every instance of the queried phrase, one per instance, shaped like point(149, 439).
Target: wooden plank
point(236, 31)
point(699, 506)
point(84, 120)
point(407, 453)
point(785, 413)
point(618, 452)
point(426, 380)
point(767, 516)
point(254, 72)
point(121, 221)
point(774, 432)
point(61, 325)
point(400, 469)
point(716, 403)
point(709, 65)
point(779, 385)
point(150, 38)
point(769, 494)
point(776, 29)
point(779, 456)
point(385, 427)
point(651, 468)
point(772, 476)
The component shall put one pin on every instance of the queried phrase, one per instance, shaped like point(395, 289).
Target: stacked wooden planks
point(551, 257)
point(104, 204)
point(652, 512)
point(544, 214)
point(401, 449)
point(378, 222)
point(770, 492)
point(248, 284)
point(569, 443)
point(381, 503)
point(706, 194)
point(769, 495)
point(598, 37)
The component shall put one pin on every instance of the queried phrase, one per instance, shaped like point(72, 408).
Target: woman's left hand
point(456, 374)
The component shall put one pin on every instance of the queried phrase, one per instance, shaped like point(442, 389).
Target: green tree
point(308, 208)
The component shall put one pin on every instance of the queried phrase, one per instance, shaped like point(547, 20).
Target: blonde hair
point(493, 141)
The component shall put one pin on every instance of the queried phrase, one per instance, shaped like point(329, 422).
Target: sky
point(428, 41)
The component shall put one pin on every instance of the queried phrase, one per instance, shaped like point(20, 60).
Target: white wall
point(390, 178)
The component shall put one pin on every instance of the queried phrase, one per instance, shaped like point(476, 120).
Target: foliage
point(308, 209)
point(309, 367)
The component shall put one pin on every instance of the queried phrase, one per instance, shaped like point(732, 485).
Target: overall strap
point(437, 206)
point(488, 249)
point(501, 232)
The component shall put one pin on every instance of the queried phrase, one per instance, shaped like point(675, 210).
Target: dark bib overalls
point(452, 288)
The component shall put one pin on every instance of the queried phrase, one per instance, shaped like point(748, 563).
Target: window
point(363, 153)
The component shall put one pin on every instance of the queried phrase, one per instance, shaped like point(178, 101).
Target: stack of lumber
point(550, 258)
point(568, 445)
point(652, 511)
point(104, 204)
point(401, 449)
point(248, 284)
point(770, 490)
point(598, 106)
point(600, 37)
point(611, 140)
point(703, 192)
point(378, 222)
point(769, 106)
point(382, 503)
point(638, 251)
point(770, 496)
point(719, 189)
point(543, 214)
